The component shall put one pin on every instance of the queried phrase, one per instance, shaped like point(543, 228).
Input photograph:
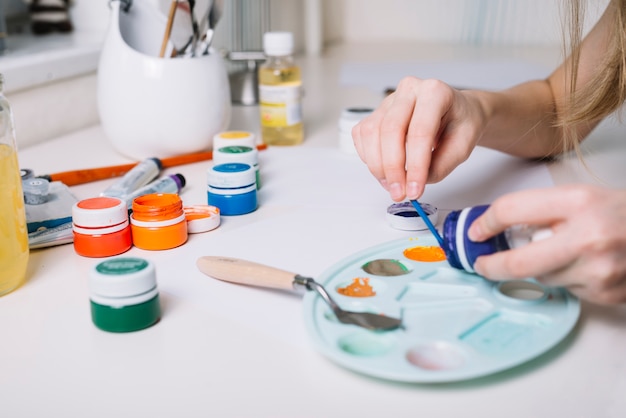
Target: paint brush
point(427, 221)
point(168, 27)
point(75, 177)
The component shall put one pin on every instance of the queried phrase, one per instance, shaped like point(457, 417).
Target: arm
point(422, 131)
point(521, 120)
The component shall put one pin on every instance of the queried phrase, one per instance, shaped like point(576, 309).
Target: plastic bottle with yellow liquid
point(13, 232)
point(280, 92)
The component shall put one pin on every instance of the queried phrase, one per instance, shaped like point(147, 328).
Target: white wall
point(465, 21)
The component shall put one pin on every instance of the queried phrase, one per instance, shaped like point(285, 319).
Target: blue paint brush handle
point(427, 221)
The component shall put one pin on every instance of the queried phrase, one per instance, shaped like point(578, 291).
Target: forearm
point(520, 120)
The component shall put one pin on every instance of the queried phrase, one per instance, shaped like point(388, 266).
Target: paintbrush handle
point(168, 28)
point(72, 178)
point(75, 177)
point(235, 270)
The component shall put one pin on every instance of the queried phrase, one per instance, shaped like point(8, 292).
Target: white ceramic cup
point(157, 107)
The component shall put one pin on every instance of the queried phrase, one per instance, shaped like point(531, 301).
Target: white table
point(219, 353)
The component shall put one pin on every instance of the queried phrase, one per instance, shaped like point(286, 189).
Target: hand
point(586, 253)
point(418, 135)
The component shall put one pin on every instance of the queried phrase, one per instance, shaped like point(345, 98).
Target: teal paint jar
point(239, 154)
point(124, 295)
point(232, 188)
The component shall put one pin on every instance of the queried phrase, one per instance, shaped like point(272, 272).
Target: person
point(426, 128)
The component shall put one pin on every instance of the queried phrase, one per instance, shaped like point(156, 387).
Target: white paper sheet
point(484, 74)
point(316, 208)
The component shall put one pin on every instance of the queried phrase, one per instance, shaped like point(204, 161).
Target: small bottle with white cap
point(280, 92)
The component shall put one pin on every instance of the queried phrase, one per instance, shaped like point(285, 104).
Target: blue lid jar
point(232, 188)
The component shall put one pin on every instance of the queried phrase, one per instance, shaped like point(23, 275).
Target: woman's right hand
point(419, 134)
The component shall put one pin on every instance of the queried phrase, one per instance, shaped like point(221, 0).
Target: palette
point(456, 325)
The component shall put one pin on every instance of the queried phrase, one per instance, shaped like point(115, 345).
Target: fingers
point(423, 133)
point(397, 140)
point(548, 255)
point(531, 207)
point(585, 251)
point(366, 137)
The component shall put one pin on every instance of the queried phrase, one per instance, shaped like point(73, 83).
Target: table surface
point(221, 354)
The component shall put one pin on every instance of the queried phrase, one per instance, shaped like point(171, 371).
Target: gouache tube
point(170, 184)
point(462, 253)
point(140, 175)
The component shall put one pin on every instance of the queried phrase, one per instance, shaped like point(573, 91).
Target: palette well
point(456, 325)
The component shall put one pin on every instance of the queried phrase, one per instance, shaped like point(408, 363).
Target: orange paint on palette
point(359, 288)
point(425, 253)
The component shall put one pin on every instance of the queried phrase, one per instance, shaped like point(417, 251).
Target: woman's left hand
point(586, 253)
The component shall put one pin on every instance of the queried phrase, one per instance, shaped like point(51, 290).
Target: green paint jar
point(239, 154)
point(124, 295)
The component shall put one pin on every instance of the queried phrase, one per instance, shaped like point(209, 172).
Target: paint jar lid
point(121, 277)
point(35, 190)
point(229, 138)
point(99, 212)
point(349, 118)
point(230, 175)
point(202, 218)
point(236, 154)
point(403, 216)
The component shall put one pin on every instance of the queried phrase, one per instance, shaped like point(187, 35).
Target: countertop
point(227, 350)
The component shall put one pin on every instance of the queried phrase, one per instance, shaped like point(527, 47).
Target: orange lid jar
point(100, 227)
point(158, 221)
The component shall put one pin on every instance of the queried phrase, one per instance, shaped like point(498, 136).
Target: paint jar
point(124, 295)
point(403, 216)
point(158, 221)
point(349, 118)
point(101, 227)
point(239, 154)
point(230, 138)
point(462, 252)
point(232, 188)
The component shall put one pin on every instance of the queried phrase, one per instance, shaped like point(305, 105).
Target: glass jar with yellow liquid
point(13, 232)
point(280, 92)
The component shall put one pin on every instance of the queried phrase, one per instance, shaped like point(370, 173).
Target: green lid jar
point(124, 295)
point(239, 154)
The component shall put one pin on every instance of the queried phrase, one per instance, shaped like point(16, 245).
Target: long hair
point(605, 92)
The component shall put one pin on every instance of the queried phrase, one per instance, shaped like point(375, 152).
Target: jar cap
point(202, 218)
point(122, 277)
point(278, 43)
point(99, 212)
point(227, 138)
point(351, 116)
point(230, 175)
point(35, 190)
point(236, 154)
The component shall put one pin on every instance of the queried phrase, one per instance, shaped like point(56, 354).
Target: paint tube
point(462, 252)
point(137, 177)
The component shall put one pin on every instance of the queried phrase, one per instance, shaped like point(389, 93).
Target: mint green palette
point(456, 325)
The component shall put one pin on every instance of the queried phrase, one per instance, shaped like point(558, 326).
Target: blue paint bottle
point(462, 252)
point(232, 188)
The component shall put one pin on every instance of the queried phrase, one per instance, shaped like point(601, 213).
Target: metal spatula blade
point(246, 272)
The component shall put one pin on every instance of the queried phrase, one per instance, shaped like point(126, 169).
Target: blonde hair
point(605, 92)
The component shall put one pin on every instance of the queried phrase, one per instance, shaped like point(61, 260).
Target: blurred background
point(38, 68)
